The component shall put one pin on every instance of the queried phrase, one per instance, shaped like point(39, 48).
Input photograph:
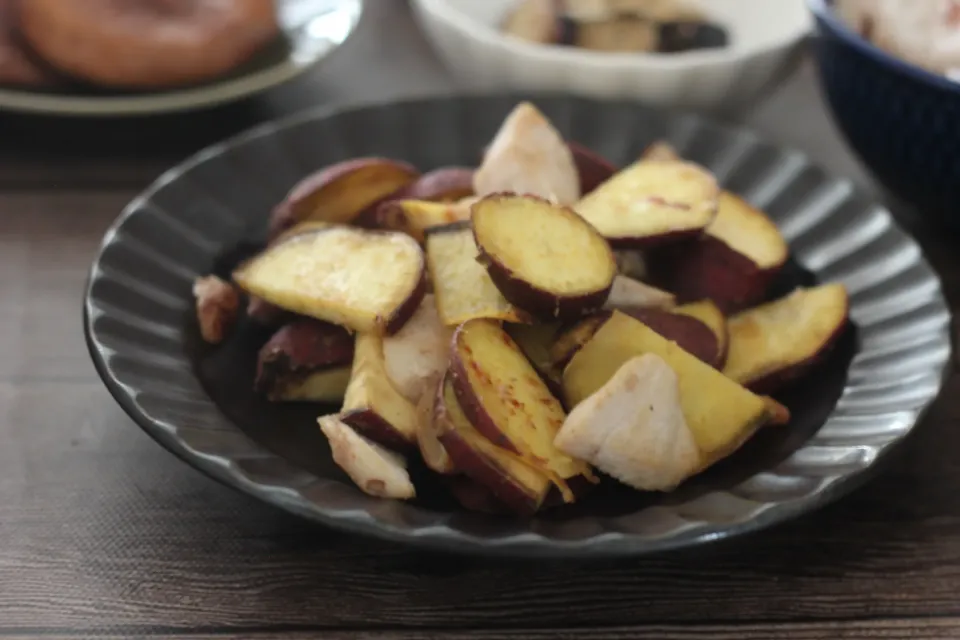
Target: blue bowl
point(902, 121)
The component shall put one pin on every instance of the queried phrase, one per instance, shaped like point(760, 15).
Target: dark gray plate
point(207, 213)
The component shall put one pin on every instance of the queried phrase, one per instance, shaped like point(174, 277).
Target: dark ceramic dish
point(196, 400)
point(900, 119)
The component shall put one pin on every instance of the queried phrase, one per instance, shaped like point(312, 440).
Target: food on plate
point(515, 340)
point(416, 217)
point(305, 360)
point(446, 184)
point(689, 333)
point(462, 287)
point(376, 471)
point(592, 168)
point(721, 414)
point(364, 280)
point(732, 263)
point(528, 156)
point(341, 192)
point(513, 480)
point(652, 202)
point(780, 340)
point(633, 428)
point(507, 402)
point(372, 405)
point(217, 307)
point(628, 292)
point(922, 33)
point(429, 429)
point(17, 65)
point(709, 314)
point(526, 243)
point(149, 44)
point(418, 352)
point(633, 26)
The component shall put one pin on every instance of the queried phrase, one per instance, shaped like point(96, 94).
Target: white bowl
point(764, 34)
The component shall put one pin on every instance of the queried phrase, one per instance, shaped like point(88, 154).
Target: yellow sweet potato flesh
point(720, 413)
point(351, 277)
point(462, 287)
point(709, 314)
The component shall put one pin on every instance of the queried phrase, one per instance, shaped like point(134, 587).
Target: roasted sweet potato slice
point(217, 307)
point(709, 314)
point(376, 471)
point(633, 428)
point(592, 168)
point(689, 333)
point(372, 405)
point(629, 293)
point(721, 414)
point(544, 258)
point(446, 184)
point(733, 263)
point(305, 360)
point(504, 398)
point(363, 280)
point(419, 352)
point(777, 342)
point(462, 287)
point(342, 191)
point(511, 479)
point(528, 156)
point(415, 217)
point(650, 203)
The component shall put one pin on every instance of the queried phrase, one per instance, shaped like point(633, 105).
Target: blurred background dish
point(899, 117)
point(490, 46)
point(131, 64)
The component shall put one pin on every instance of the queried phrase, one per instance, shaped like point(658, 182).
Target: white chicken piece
point(529, 157)
point(627, 292)
point(376, 471)
point(633, 428)
point(419, 352)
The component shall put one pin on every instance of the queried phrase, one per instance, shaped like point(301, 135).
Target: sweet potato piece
point(721, 414)
point(733, 263)
point(415, 217)
point(446, 184)
point(690, 334)
point(627, 292)
point(504, 398)
point(305, 360)
point(342, 191)
point(709, 314)
point(428, 429)
point(363, 280)
point(592, 168)
point(376, 471)
point(526, 245)
point(528, 156)
point(372, 405)
point(779, 341)
point(217, 305)
point(651, 203)
point(512, 480)
point(462, 287)
point(418, 352)
point(633, 428)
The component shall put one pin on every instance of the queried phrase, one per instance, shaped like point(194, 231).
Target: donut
point(16, 65)
point(147, 44)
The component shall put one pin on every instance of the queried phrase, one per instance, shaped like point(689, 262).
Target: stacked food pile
point(528, 325)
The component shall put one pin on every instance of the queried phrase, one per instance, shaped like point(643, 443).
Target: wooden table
point(104, 534)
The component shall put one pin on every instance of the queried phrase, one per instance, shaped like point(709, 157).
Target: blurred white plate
point(764, 34)
point(312, 29)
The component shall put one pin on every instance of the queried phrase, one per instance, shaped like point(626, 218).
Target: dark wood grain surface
point(104, 534)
